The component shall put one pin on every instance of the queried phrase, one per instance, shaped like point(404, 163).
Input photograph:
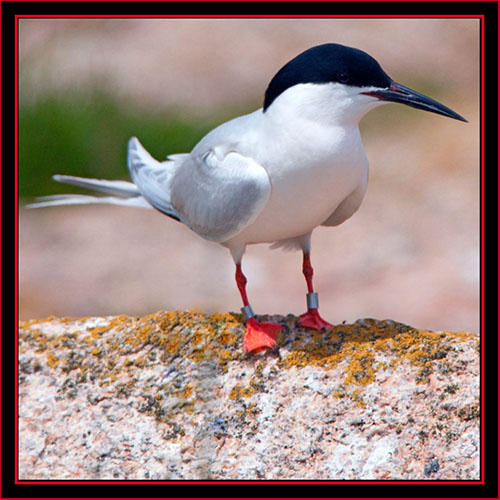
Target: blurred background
point(411, 253)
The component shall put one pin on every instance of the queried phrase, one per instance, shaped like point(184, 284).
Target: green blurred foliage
point(87, 136)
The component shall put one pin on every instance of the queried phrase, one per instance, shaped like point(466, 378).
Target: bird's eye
point(343, 77)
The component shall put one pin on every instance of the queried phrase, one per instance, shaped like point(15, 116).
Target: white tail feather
point(120, 188)
point(83, 199)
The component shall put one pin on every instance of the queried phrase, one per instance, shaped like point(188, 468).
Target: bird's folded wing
point(151, 177)
point(218, 197)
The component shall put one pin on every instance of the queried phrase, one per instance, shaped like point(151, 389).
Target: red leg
point(308, 272)
point(258, 335)
point(241, 281)
point(311, 319)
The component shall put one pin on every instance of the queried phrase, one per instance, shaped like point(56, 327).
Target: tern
point(273, 175)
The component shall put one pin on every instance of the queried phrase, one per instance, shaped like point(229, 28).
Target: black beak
point(399, 93)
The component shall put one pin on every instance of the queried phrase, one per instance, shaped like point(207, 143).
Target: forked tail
point(150, 188)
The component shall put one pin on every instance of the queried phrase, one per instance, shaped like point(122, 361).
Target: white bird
point(274, 175)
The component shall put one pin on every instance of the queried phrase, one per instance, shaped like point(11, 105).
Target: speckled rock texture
point(172, 396)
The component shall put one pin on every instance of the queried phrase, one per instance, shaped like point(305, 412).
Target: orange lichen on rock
point(360, 370)
point(52, 360)
point(370, 347)
point(115, 350)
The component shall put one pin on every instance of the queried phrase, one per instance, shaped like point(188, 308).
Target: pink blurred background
point(410, 254)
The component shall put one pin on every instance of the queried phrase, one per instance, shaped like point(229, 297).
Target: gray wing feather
point(152, 177)
point(218, 197)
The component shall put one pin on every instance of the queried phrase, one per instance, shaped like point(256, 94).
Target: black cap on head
point(327, 63)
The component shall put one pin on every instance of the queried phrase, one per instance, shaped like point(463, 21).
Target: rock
point(172, 396)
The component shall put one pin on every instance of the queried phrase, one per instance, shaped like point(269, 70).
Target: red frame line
point(482, 270)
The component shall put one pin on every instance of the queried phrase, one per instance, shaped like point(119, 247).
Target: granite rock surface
point(172, 396)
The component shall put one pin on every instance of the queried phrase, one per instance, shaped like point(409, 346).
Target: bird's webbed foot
point(312, 319)
point(261, 335)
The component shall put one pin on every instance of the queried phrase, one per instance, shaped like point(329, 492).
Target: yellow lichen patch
point(228, 338)
point(198, 337)
point(53, 360)
point(363, 345)
point(256, 384)
point(295, 358)
point(360, 370)
point(238, 392)
point(229, 319)
point(140, 355)
point(117, 322)
point(191, 335)
point(357, 397)
point(235, 392)
point(188, 391)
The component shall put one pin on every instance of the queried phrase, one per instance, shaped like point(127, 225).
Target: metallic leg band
point(312, 300)
point(247, 311)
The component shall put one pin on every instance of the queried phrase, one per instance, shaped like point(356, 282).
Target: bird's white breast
point(309, 143)
point(312, 169)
